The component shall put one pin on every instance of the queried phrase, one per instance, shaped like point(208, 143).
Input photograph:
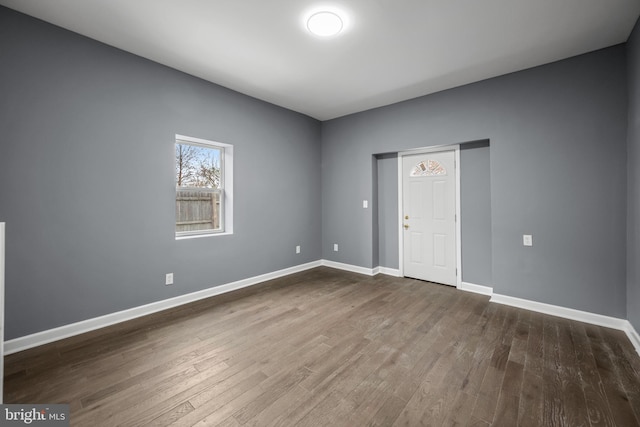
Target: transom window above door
point(428, 168)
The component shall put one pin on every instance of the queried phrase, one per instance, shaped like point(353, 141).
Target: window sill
point(198, 236)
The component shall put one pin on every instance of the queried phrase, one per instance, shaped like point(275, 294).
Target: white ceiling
point(390, 50)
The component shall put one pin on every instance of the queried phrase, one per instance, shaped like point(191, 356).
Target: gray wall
point(633, 153)
point(87, 167)
point(387, 190)
point(375, 227)
point(552, 130)
point(475, 213)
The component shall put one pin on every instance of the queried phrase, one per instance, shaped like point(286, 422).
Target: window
point(428, 168)
point(204, 185)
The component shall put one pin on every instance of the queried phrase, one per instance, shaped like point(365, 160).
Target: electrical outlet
point(335, 247)
point(298, 249)
point(168, 280)
point(365, 204)
point(527, 240)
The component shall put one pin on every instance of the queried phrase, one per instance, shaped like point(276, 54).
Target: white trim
point(456, 155)
point(40, 338)
point(633, 336)
point(567, 313)
point(228, 188)
point(429, 149)
point(389, 271)
point(433, 149)
point(197, 236)
point(478, 289)
point(570, 313)
point(361, 270)
point(2, 254)
point(349, 267)
point(400, 220)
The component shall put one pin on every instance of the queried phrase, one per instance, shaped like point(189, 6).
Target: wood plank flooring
point(332, 348)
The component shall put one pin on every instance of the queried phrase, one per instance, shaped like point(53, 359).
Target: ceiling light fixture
point(324, 24)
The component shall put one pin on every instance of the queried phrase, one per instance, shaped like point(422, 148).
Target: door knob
point(406, 217)
point(406, 226)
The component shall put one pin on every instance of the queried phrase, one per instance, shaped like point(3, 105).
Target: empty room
point(327, 213)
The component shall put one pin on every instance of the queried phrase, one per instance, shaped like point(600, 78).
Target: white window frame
point(226, 192)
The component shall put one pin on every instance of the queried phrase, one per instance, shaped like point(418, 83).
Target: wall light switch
point(527, 240)
point(365, 204)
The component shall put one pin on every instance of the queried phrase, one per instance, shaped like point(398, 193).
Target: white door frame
point(438, 148)
point(1, 309)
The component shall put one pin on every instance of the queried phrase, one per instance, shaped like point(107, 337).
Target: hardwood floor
point(327, 347)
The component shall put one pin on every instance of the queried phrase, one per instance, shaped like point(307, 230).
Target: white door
point(429, 217)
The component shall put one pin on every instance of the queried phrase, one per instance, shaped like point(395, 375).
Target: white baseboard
point(478, 289)
point(570, 313)
point(362, 270)
point(567, 313)
point(349, 267)
point(556, 310)
point(389, 271)
point(40, 338)
point(633, 336)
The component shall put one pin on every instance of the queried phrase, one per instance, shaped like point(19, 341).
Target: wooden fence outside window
point(197, 210)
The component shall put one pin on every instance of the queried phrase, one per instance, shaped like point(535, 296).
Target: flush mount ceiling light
point(324, 24)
